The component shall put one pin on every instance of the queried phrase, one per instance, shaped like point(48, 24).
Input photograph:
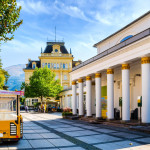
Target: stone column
point(88, 96)
point(81, 112)
point(110, 94)
point(145, 64)
point(125, 92)
point(98, 94)
point(74, 98)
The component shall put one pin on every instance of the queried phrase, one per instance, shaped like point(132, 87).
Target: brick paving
point(50, 131)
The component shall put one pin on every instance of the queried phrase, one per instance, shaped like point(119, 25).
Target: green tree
point(9, 19)
point(42, 84)
point(9, 22)
point(22, 100)
point(3, 77)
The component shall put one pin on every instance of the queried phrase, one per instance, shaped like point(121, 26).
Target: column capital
point(80, 80)
point(88, 78)
point(110, 71)
point(125, 66)
point(73, 82)
point(145, 60)
point(97, 75)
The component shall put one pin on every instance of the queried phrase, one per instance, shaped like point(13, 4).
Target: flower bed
point(66, 112)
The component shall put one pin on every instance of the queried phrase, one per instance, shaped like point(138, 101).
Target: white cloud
point(102, 19)
point(33, 7)
point(70, 10)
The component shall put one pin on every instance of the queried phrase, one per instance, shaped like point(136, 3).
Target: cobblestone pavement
point(50, 131)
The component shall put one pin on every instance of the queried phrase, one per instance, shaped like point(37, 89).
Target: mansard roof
point(38, 64)
point(49, 48)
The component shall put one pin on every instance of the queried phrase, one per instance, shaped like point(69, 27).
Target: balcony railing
point(55, 55)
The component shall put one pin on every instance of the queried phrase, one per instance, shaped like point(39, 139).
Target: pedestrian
point(44, 108)
point(27, 108)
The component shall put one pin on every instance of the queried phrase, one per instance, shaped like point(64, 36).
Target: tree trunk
point(41, 102)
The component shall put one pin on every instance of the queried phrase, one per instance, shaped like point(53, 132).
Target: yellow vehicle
point(11, 122)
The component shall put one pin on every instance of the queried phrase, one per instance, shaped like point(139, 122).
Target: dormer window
point(33, 66)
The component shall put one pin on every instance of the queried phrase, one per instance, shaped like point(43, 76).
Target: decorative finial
point(41, 50)
point(70, 51)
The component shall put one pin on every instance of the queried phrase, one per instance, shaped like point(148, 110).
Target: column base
point(110, 119)
point(125, 121)
point(145, 124)
point(98, 118)
point(81, 116)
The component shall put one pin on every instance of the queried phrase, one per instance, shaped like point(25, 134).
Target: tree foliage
point(9, 19)
point(22, 100)
point(42, 84)
point(3, 77)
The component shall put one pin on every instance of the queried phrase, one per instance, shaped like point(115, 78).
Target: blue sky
point(80, 23)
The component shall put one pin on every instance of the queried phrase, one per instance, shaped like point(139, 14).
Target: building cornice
point(115, 48)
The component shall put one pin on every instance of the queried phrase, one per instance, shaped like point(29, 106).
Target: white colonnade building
point(120, 70)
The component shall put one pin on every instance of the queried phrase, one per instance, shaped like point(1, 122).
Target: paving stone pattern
point(50, 131)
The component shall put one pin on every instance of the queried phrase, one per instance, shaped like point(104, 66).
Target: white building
point(121, 68)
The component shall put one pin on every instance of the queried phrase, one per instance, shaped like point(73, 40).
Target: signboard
point(139, 101)
point(21, 93)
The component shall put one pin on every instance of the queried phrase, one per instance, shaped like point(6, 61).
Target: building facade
point(117, 78)
point(57, 58)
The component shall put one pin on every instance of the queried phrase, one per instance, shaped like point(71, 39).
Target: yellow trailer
point(11, 122)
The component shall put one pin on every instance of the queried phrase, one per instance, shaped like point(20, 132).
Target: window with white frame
point(65, 86)
point(57, 66)
point(43, 65)
point(63, 66)
point(60, 65)
point(56, 77)
point(49, 65)
point(66, 65)
point(54, 66)
point(34, 101)
point(65, 77)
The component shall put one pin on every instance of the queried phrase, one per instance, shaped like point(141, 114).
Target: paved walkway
point(50, 131)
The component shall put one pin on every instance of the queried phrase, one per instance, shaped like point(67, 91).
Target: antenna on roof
point(55, 33)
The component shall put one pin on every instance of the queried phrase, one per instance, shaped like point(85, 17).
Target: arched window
point(126, 38)
point(34, 66)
